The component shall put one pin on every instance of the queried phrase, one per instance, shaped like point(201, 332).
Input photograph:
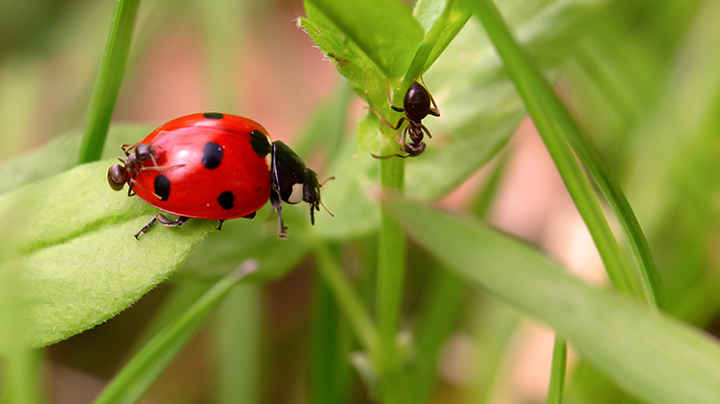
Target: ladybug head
point(311, 193)
point(293, 181)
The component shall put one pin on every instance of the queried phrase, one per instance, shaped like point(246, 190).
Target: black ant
point(418, 103)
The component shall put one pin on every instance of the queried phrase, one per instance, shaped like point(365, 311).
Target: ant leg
point(427, 132)
point(387, 157)
point(434, 110)
point(398, 109)
point(404, 133)
point(126, 147)
point(396, 127)
point(277, 206)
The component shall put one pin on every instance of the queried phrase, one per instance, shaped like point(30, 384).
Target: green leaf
point(384, 30)
point(75, 257)
point(617, 335)
point(349, 196)
point(241, 240)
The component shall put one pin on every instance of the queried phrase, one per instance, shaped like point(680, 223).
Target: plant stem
point(390, 281)
point(107, 86)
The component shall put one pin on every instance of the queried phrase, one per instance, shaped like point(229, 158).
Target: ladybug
point(214, 166)
point(417, 104)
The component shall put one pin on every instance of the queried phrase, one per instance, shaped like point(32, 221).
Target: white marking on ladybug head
point(268, 160)
point(296, 196)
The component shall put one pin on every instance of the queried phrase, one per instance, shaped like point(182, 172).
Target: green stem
point(107, 86)
point(390, 280)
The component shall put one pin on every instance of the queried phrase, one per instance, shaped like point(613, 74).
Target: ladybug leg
point(277, 206)
point(146, 228)
point(171, 223)
point(250, 216)
point(220, 222)
point(162, 219)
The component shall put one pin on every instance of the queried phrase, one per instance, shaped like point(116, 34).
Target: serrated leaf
point(384, 30)
point(649, 354)
point(480, 107)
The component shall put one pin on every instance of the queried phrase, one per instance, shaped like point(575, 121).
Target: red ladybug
point(214, 166)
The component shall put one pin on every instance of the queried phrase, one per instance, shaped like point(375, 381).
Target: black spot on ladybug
point(162, 187)
point(259, 143)
point(212, 155)
point(213, 115)
point(226, 200)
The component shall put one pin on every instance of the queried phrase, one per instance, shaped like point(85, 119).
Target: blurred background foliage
point(643, 82)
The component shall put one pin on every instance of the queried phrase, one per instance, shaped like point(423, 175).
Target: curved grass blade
point(650, 355)
point(112, 69)
point(555, 124)
point(141, 372)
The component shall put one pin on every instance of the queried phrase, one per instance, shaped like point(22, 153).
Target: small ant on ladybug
point(417, 104)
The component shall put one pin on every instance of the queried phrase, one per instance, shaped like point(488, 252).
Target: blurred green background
point(644, 83)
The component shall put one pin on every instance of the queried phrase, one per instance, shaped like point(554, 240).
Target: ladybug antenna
point(326, 209)
point(323, 183)
point(319, 202)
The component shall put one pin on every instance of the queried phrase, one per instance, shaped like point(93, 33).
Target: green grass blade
point(444, 28)
point(444, 301)
point(553, 122)
point(350, 305)
point(22, 378)
point(330, 346)
point(141, 372)
point(650, 355)
point(61, 154)
point(112, 69)
point(237, 346)
point(557, 375)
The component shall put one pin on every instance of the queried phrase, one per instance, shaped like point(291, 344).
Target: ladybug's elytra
point(214, 166)
point(417, 104)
